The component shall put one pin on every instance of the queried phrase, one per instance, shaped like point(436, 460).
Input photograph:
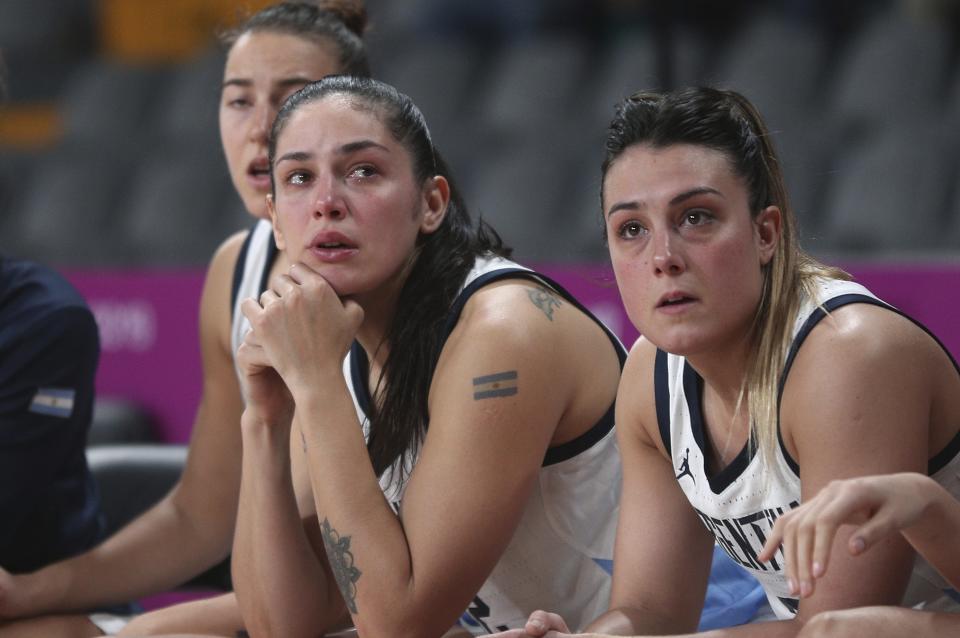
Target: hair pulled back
point(341, 23)
point(727, 122)
point(416, 335)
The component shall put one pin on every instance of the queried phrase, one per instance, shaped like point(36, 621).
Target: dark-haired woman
point(271, 55)
point(462, 455)
point(763, 376)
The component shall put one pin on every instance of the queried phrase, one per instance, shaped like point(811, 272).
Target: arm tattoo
point(341, 563)
point(545, 300)
point(501, 384)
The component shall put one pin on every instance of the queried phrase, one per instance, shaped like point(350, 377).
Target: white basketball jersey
point(561, 553)
point(250, 276)
point(740, 504)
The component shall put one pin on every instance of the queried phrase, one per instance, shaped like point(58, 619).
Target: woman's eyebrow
point(693, 192)
point(360, 145)
point(295, 156)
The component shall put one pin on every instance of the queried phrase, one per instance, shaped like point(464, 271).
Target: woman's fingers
point(540, 622)
point(773, 542)
point(268, 297)
point(284, 285)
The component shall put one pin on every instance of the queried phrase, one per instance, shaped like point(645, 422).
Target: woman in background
point(271, 55)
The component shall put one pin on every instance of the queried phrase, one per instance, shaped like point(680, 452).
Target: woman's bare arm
point(190, 529)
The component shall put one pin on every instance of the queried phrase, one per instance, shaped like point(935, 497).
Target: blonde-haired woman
point(762, 376)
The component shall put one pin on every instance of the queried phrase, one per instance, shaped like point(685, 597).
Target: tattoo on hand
point(341, 563)
point(544, 300)
point(501, 384)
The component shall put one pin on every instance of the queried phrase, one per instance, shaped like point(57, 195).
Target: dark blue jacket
point(49, 347)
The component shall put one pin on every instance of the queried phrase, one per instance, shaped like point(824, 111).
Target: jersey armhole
point(238, 267)
point(241, 264)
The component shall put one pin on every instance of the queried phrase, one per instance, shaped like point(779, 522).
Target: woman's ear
point(436, 198)
point(277, 233)
point(768, 226)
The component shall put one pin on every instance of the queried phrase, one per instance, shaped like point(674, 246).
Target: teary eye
point(630, 229)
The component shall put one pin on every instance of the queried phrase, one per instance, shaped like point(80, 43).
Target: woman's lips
point(332, 247)
point(675, 302)
point(258, 174)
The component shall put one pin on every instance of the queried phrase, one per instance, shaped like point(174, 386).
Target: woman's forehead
point(279, 53)
point(647, 174)
point(644, 162)
point(333, 121)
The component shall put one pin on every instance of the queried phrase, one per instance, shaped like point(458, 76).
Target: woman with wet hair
point(454, 409)
point(762, 376)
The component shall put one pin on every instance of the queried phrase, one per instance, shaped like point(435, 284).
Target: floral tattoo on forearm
point(341, 563)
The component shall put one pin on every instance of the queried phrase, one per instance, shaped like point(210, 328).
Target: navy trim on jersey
point(693, 390)
point(815, 317)
point(661, 393)
point(939, 460)
point(944, 456)
point(238, 269)
point(359, 370)
point(360, 375)
point(487, 278)
point(584, 442)
point(272, 252)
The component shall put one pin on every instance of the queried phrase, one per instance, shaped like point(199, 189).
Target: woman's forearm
point(366, 544)
point(132, 564)
point(935, 536)
point(279, 580)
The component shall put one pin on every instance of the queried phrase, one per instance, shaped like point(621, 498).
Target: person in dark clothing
point(49, 348)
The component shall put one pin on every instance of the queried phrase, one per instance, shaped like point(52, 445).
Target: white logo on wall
point(125, 325)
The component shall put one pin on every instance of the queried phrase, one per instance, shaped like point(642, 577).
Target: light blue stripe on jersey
point(53, 402)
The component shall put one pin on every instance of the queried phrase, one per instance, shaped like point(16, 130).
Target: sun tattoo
point(341, 563)
point(545, 300)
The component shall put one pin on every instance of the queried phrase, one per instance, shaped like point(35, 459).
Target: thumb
point(869, 533)
point(540, 622)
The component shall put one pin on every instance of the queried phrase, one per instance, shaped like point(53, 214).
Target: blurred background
point(111, 167)
point(110, 156)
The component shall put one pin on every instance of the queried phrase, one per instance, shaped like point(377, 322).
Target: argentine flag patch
point(53, 402)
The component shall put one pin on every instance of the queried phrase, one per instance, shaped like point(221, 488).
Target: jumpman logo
point(685, 467)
